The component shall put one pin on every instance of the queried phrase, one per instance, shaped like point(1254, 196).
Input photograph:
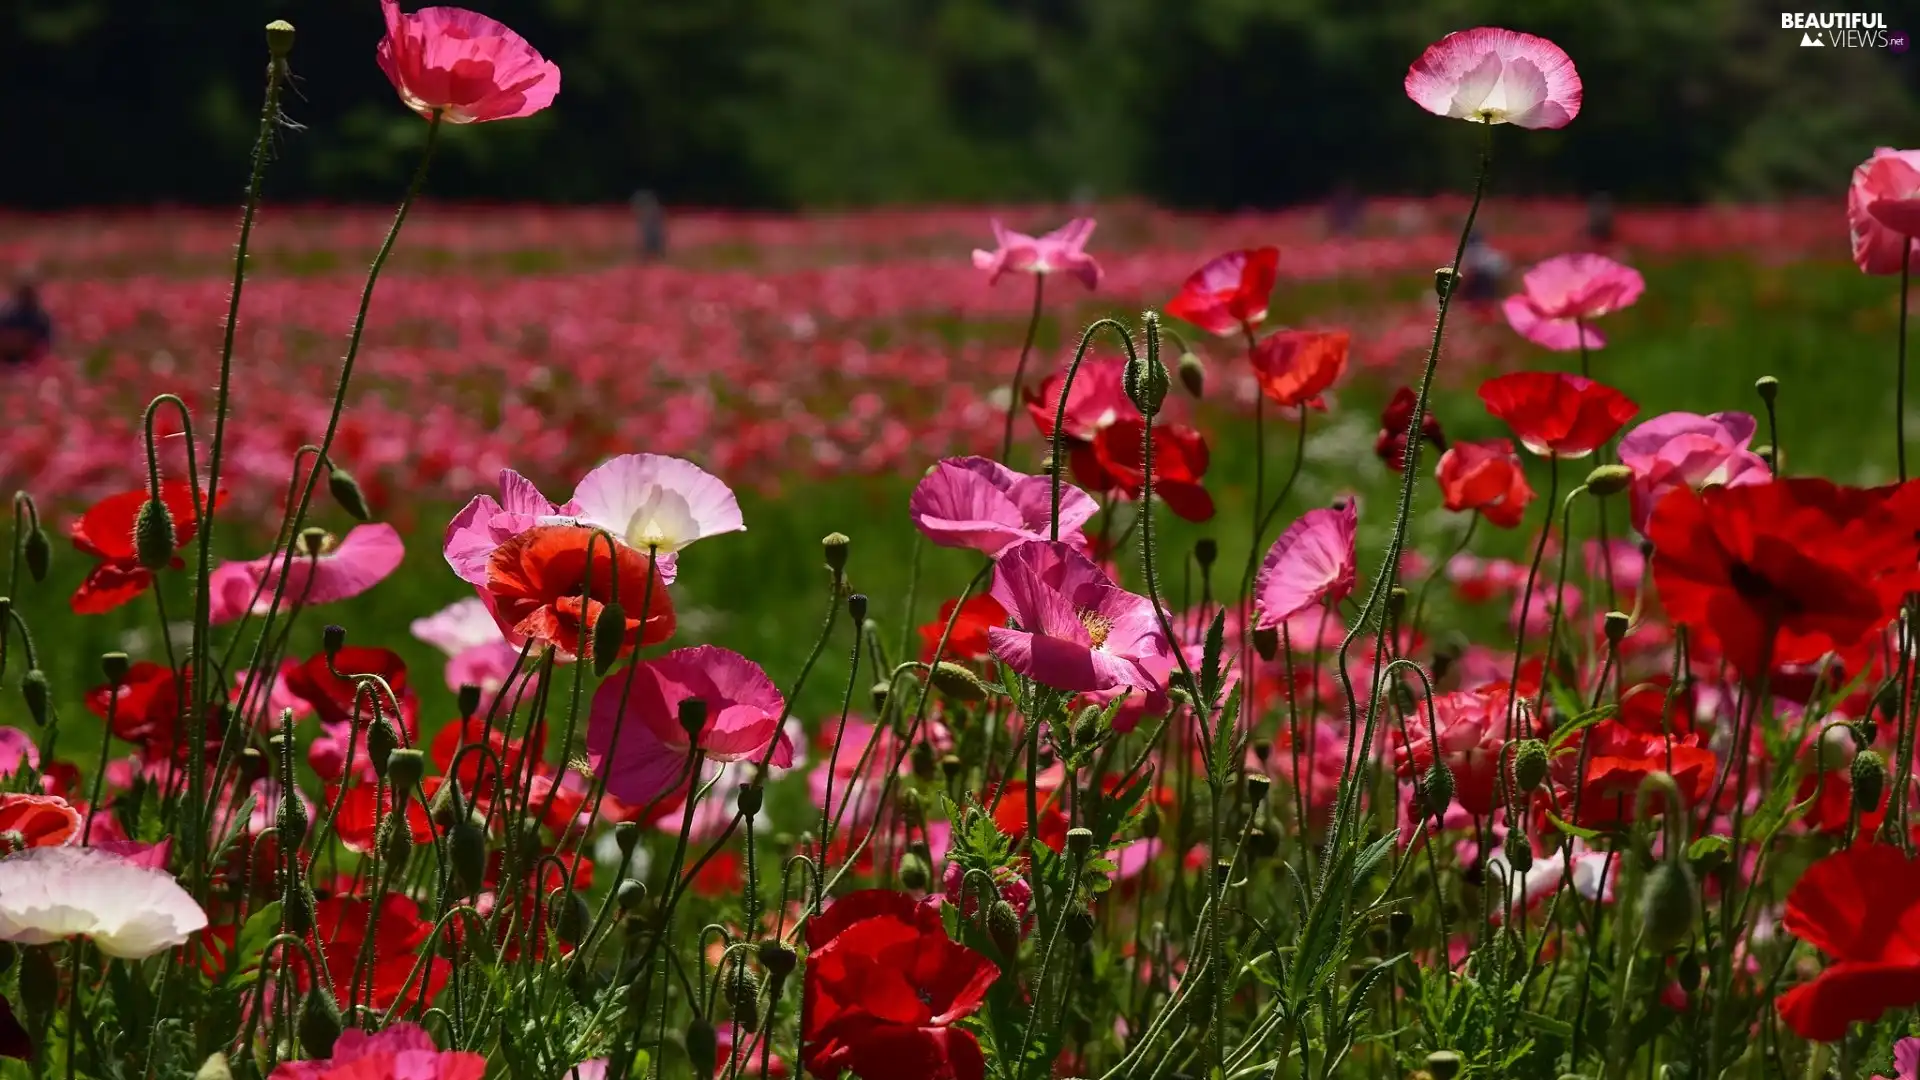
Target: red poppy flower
point(1230, 293)
point(1556, 414)
point(340, 928)
point(884, 986)
point(968, 641)
point(1485, 477)
point(1468, 731)
point(1784, 572)
point(1391, 445)
point(105, 532)
point(534, 581)
point(1179, 461)
point(359, 827)
point(1294, 367)
point(332, 697)
point(1861, 907)
point(146, 709)
point(30, 821)
point(1619, 760)
point(1010, 816)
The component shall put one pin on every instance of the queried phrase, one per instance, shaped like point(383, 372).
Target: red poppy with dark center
point(1619, 760)
point(884, 987)
point(1785, 572)
point(1179, 461)
point(968, 640)
point(340, 928)
point(1861, 907)
point(29, 821)
point(1396, 420)
point(1294, 367)
point(1230, 293)
point(105, 532)
point(333, 697)
point(536, 579)
point(1485, 477)
point(1555, 414)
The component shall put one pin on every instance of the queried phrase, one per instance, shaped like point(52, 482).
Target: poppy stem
point(1060, 411)
point(1900, 369)
point(1020, 369)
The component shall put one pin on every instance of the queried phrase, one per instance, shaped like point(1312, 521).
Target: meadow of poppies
point(917, 645)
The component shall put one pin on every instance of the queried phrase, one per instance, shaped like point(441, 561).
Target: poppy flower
point(1861, 907)
point(1472, 731)
point(48, 894)
point(1180, 459)
point(486, 522)
point(477, 652)
point(333, 697)
point(534, 584)
point(105, 532)
point(31, 821)
point(743, 711)
point(1681, 449)
point(1492, 76)
point(358, 822)
point(1893, 193)
point(1485, 477)
point(1096, 400)
point(341, 569)
point(1391, 445)
point(462, 65)
point(657, 503)
point(1294, 367)
point(1060, 251)
point(1074, 629)
point(1883, 179)
point(1563, 295)
point(1310, 564)
point(968, 641)
point(884, 987)
point(146, 709)
point(978, 503)
point(1230, 293)
point(340, 923)
point(1619, 761)
point(1556, 414)
point(398, 1050)
point(1784, 572)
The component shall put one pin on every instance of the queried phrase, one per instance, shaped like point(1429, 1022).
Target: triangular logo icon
point(1808, 40)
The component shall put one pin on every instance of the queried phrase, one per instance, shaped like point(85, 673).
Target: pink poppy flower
point(743, 713)
point(1881, 181)
point(150, 856)
point(1681, 449)
point(1893, 193)
point(1539, 606)
point(130, 912)
point(1311, 563)
point(1096, 401)
point(233, 588)
point(976, 502)
point(401, 1051)
point(1074, 629)
point(343, 569)
point(477, 652)
point(486, 522)
point(463, 65)
point(16, 750)
point(1230, 293)
point(1906, 1060)
point(657, 503)
point(1060, 251)
point(1472, 729)
point(1493, 76)
point(1563, 295)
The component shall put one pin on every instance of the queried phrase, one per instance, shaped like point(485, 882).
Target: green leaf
point(1547, 1025)
point(1706, 845)
point(1571, 829)
point(1210, 674)
point(251, 941)
point(1578, 724)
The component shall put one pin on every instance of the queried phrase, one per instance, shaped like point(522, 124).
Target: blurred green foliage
point(784, 103)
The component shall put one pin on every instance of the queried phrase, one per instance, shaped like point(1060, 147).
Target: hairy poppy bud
point(857, 607)
point(1444, 279)
point(693, 717)
point(1616, 624)
point(346, 491)
point(1078, 841)
point(1607, 480)
point(1869, 775)
point(39, 552)
point(880, 692)
point(743, 993)
point(923, 762)
point(1436, 790)
point(382, 741)
point(292, 820)
point(405, 766)
point(468, 699)
point(1145, 381)
point(1529, 764)
point(703, 1050)
point(1079, 927)
point(1257, 785)
point(630, 894)
point(1767, 387)
point(296, 911)
point(1443, 1065)
point(1667, 906)
point(571, 917)
point(609, 635)
point(1886, 699)
point(396, 842)
point(279, 38)
point(751, 797)
point(1518, 850)
point(1003, 926)
point(214, 1068)
point(958, 682)
point(114, 666)
point(778, 959)
point(33, 687)
point(153, 535)
point(319, 1023)
point(467, 853)
point(835, 547)
point(1193, 374)
point(1266, 642)
point(914, 873)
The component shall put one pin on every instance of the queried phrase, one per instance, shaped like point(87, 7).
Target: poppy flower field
point(955, 644)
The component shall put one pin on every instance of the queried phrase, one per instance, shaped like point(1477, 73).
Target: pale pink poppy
point(151, 856)
point(463, 65)
point(743, 715)
point(976, 502)
point(596, 1068)
point(342, 570)
point(17, 749)
point(1060, 251)
point(128, 911)
point(1681, 449)
point(1492, 76)
point(399, 1051)
point(1881, 183)
point(486, 522)
point(657, 504)
point(478, 654)
point(1312, 563)
point(1562, 296)
point(1074, 629)
point(1539, 606)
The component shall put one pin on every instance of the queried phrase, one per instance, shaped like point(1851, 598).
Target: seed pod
point(1444, 279)
point(279, 38)
point(703, 1050)
point(779, 959)
point(752, 796)
point(571, 917)
point(1530, 763)
point(468, 698)
point(1078, 841)
point(467, 852)
point(743, 993)
point(153, 535)
point(1003, 926)
point(609, 636)
point(1869, 776)
point(346, 491)
point(1205, 551)
point(630, 894)
point(319, 1024)
point(1767, 387)
point(693, 717)
point(1266, 642)
point(1397, 601)
point(1518, 850)
point(114, 666)
point(39, 553)
point(446, 807)
point(1616, 625)
point(405, 766)
point(951, 765)
point(382, 741)
point(296, 912)
point(857, 608)
point(1399, 925)
point(1667, 906)
point(914, 873)
point(396, 842)
point(33, 687)
point(314, 542)
point(1262, 844)
point(1257, 787)
point(834, 546)
point(1443, 1065)
point(626, 834)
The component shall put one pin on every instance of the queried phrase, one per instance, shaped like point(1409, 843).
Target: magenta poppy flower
point(1893, 189)
point(975, 502)
point(1563, 295)
point(477, 652)
point(1493, 76)
point(743, 716)
point(1881, 181)
point(1312, 563)
point(486, 522)
point(657, 503)
point(343, 569)
point(232, 588)
point(1074, 629)
point(1060, 251)
point(403, 1051)
point(1681, 449)
point(1229, 294)
point(463, 65)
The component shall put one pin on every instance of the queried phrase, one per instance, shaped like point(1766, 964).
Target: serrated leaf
point(1700, 848)
point(1578, 724)
point(1211, 677)
point(251, 941)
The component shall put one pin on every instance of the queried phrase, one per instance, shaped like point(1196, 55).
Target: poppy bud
point(1262, 749)
point(1266, 642)
point(39, 982)
point(1689, 973)
point(1616, 624)
point(630, 894)
point(922, 758)
point(914, 873)
point(857, 607)
point(1145, 381)
point(33, 687)
point(1869, 775)
point(911, 811)
point(1193, 374)
point(1079, 927)
point(296, 912)
point(1865, 732)
point(444, 808)
point(382, 741)
point(1436, 791)
point(313, 542)
point(319, 1023)
point(609, 635)
point(396, 845)
point(1529, 764)
point(1397, 601)
point(1607, 480)
point(778, 958)
point(880, 692)
point(1257, 785)
point(1443, 1065)
point(1150, 822)
point(571, 917)
point(693, 717)
point(743, 993)
point(1886, 700)
point(1205, 551)
point(1444, 279)
point(114, 665)
point(405, 766)
point(153, 536)
point(752, 795)
point(39, 552)
point(1399, 925)
point(950, 765)
point(957, 682)
point(835, 547)
point(703, 1050)
point(1262, 843)
point(1518, 850)
point(214, 1068)
point(1003, 926)
point(1078, 841)
point(467, 852)
point(292, 820)
point(468, 698)
point(279, 38)
point(1667, 906)
point(346, 491)
point(1767, 387)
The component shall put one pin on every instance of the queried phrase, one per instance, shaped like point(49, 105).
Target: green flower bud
point(1530, 761)
point(405, 767)
point(1443, 1065)
point(571, 917)
point(1193, 374)
point(1079, 926)
point(693, 717)
point(835, 547)
point(914, 873)
point(1145, 382)
point(958, 682)
point(630, 894)
point(319, 1024)
point(382, 741)
point(468, 698)
point(752, 796)
point(1607, 480)
point(703, 1050)
point(467, 853)
point(609, 636)
point(743, 993)
point(153, 535)
point(778, 958)
point(1436, 790)
point(114, 666)
point(1003, 926)
point(296, 912)
point(346, 491)
point(1444, 279)
point(1869, 776)
point(1518, 850)
point(1266, 642)
point(39, 552)
point(396, 842)
point(1667, 904)
point(33, 687)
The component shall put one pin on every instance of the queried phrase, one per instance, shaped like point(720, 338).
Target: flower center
point(1098, 627)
